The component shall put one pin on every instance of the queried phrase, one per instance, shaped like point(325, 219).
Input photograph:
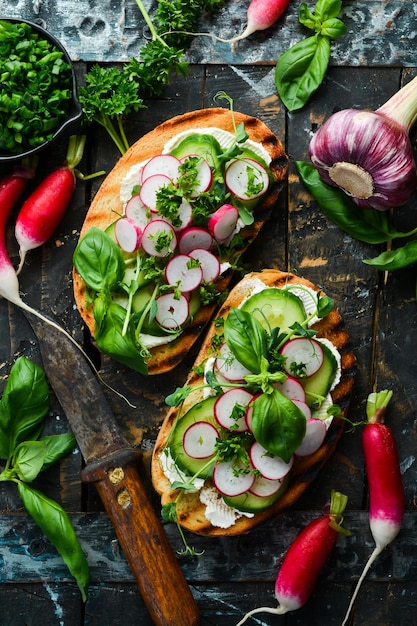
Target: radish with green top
point(305, 559)
point(44, 209)
point(386, 491)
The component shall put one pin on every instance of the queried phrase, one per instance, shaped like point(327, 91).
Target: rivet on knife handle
point(143, 539)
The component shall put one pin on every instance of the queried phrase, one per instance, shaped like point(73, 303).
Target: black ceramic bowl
point(74, 112)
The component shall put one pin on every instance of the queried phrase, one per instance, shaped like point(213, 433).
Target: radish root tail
point(377, 551)
point(279, 610)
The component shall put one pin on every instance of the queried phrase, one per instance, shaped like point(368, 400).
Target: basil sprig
point(301, 69)
point(23, 407)
point(99, 261)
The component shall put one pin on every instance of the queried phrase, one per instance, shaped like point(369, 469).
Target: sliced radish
point(313, 438)
point(128, 234)
point(229, 366)
point(303, 406)
point(292, 389)
point(179, 271)
point(302, 355)
point(249, 411)
point(225, 409)
point(269, 465)
point(199, 440)
point(193, 238)
point(166, 164)
point(183, 219)
point(204, 176)
point(159, 238)
point(246, 179)
point(231, 479)
point(137, 211)
point(210, 264)
point(172, 312)
point(264, 487)
point(150, 187)
point(223, 222)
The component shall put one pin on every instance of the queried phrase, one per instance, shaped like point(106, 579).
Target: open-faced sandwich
point(166, 228)
point(261, 411)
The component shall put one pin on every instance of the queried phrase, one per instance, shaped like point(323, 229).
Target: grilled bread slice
point(190, 510)
point(107, 205)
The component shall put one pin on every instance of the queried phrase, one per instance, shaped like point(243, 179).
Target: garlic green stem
point(402, 106)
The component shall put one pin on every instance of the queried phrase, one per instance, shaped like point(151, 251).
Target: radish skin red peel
point(386, 491)
point(305, 559)
point(368, 154)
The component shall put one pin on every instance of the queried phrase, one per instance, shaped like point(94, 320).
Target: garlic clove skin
point(368, 155)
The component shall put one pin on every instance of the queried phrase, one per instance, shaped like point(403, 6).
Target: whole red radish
point(306, 558)
point(12, 187)
point(262, 14)
point(44, 209)
point(386, 491)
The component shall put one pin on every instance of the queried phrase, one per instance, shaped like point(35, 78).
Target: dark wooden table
point(233, 575)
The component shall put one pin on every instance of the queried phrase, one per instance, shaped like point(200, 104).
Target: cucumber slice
point(321, 382)
point(201, 412)
point(275, 307)
point(250, 503)
point(203, 145)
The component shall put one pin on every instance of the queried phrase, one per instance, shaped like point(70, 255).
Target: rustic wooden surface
point(236, 574)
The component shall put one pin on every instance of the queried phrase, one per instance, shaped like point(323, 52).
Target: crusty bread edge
point(191, 510)
point(106, 206)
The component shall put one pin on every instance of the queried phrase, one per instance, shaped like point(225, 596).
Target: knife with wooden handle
point(112, 465)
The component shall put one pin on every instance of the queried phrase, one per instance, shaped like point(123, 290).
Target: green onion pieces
point(35, 88)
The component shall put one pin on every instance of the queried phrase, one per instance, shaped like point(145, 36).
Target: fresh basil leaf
point(277, 424)
point(395, 259)
point(366, 225)
point(28, 459)
point(99, 260)
point(246, 338)
point(110, 339)
point(326, 9)
point(57, 446)
point(333, 28)
point(23, 406)
point(301, 70)
point(57, 526)
point(307, 18)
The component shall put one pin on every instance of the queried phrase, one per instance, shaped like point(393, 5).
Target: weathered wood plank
point(378, 33)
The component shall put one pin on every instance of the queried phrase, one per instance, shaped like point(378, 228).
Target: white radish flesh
point(313, 438)
point(264, 487)
point(226, 409)
point(159, 238)
point(135, 210)
point(210, 264)
point(172, 312)
point(199, 440)
point(292, 389)
point(303, 406)
point(269, 465)
point(128, 234)
point(204, 176)
point(222, 223)
point(180, 272)
point(229, 366)
point(246, 179)
point(166, 164)
point(231, 479)
point(149, 190)
point(303, 354)
point(193, 238)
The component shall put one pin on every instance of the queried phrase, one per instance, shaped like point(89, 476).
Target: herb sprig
point(112, 94)
point(23, 407)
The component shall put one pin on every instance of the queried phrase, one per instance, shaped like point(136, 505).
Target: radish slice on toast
point(199, 440)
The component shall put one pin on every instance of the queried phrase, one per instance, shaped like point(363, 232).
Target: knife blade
point(112, 465)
